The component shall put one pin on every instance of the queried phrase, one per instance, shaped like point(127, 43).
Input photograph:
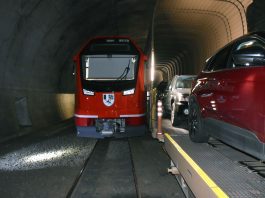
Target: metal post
point(159, 133)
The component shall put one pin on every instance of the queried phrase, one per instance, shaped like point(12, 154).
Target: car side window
point(172, 83)
point(247, 53)
point(207, 66)
point(179, 84)
point(219, 62)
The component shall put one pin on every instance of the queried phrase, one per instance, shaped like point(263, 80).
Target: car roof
point(186, 76)
point(260, 34)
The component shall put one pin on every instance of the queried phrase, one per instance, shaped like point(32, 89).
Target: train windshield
point(100, 67)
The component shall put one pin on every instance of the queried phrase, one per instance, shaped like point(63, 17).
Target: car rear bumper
point(182, 109)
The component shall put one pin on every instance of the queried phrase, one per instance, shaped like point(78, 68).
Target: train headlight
point(128, 92)
point(87, 92)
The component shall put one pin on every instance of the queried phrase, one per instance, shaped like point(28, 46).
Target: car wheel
point(196, 132)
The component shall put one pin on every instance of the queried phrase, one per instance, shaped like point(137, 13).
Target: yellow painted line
point(216, 189)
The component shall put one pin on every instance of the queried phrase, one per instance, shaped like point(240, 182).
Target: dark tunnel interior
point(38, 39)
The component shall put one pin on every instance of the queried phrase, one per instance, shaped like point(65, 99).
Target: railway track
point(81, 173)
point(108, 171)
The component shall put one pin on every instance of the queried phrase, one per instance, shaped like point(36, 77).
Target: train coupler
point(107, 127)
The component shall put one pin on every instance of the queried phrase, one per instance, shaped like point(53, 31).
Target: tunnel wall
point(256, 16)
point(35, 61)
point(196, 30)
point(38, 39)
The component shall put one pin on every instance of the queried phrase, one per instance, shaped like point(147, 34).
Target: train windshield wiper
point(125, 72)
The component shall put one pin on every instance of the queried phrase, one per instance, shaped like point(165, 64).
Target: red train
point(110, 95)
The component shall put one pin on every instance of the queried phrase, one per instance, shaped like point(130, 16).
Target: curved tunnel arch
point(220, 21)
point(39, 38)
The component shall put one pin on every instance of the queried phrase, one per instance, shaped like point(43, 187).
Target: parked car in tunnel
point(176, 97)
point(228, 99)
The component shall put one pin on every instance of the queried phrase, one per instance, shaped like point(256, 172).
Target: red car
point(227, 100)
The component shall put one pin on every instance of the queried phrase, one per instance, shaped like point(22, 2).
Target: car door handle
point(206, 95)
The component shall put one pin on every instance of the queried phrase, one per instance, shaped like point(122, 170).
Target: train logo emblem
point(108, 99)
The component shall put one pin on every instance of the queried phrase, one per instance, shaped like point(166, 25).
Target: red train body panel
point(110, 92)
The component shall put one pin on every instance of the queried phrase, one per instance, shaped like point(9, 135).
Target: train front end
point(110, 92)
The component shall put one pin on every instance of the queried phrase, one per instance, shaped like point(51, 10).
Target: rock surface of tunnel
point(39, 38)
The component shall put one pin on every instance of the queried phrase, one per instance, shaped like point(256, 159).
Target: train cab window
point(109, 67)
point(109, 60)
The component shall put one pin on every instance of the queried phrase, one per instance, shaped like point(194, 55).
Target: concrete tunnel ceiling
point(187, 32)
point(38, 39)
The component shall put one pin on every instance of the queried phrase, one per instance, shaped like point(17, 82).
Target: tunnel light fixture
point(152, 65)
point(128, 92)
point(87, 92)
